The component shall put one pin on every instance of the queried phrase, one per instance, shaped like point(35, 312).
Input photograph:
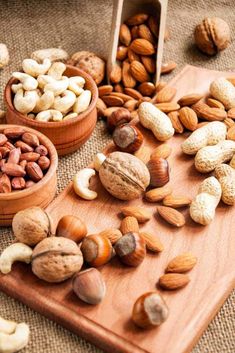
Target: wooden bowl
point(68, 135)
point(40, 194)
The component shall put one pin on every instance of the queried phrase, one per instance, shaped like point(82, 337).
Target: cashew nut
point(202, 209)
point(226, 176)
point(57, 87)
point(29, 83)
point(76, 84)
point(70, 116)
point(208, 135)
point(33, 68)
point(155, 120)
point(54, 54)
point(207, 158)
point(7, 326)
point(98, 161)
point(15, 87)
point(81, 184)
point(56, 70)
point(11, 343)
point(49, 115)
point(82, 102)
point(25, 102)
point(44, 102)
point(14, 252)
point(64, 102)
point(44, 79)
point(4, 55)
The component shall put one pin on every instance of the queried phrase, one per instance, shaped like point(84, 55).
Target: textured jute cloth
point(85, 24)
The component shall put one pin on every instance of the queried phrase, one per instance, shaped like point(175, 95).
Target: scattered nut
point(131, 250)
point(71, 227)
point(14, 252)
point(96, 250)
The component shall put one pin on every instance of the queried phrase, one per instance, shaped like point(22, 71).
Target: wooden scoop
point(122, 10)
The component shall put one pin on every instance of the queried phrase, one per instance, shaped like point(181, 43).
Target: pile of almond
point(23, 159)
point(134, 73)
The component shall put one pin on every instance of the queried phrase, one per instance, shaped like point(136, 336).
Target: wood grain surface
point(108, 325)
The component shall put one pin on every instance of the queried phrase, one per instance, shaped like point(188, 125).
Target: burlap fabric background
point(75, 25)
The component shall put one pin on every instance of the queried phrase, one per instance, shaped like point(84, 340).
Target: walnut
point(56, 259)
point(124, 176)
point(212, 35)
point(90, 63)
point(31, 225)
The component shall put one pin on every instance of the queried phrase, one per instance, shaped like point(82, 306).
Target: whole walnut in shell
point(90, 63)
point(212, 35)
point(31, 225)
point(124, 176)
point(56, 259)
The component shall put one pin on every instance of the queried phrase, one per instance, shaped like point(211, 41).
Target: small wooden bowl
point(40, 194)
point(68, 135)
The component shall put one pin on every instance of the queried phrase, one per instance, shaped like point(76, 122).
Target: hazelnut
point(212, 35)
point(71, 227)
point(159, 171)
point(31, 225)
point(130, 248)
point(149, 310)
point(96, 250)
point(127, 138)
point(89, 286)
point(124, 176)
point(56, 259)
point(118, 117)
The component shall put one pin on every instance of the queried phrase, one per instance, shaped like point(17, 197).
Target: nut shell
point(31, 225)
point(159, 171)
point(131, 249)
point(212, 35)
point(96, 250)
point(127, 138)
point(71, 227)
point(124, 176)
point(56, 259)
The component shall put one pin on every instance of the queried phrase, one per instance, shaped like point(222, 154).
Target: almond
point(141, 214)
point(111, 100)
point(167, 107)
point(231, 113)
point(143, 154)
point(106, 89)
point(171, 216)
point(116, 74)
point(188, 118)
point(112, 234)
point(190, 99)
point(149, 64)
point(132, 56)
point(175, 121)
point(158, 194)
point(137, 19)
point(129, 224)
point(139, 72)
point(168, 67)
point(134, 32)
point(133, 93)
point(5, 184)
point(231, 133)
point(214, 103)
point(127, 78)
point(152, 242)
point(109, 111)
point(153, 25)
point(12, 169)
point(176, 201)
point(182, 263)
point(145, 33)
point(147, 88)
point(100, 106)
point(142, 47)
point(162, 151)
point(166, 94)
point(211, 114)
point(173, 281)
point(125, 35)
point(121, 53)
point(123, 96)
point(131, 105)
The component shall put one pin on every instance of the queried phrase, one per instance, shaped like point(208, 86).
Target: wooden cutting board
point(108, 325)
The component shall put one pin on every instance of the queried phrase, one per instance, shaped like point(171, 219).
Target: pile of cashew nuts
point(44, 94)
